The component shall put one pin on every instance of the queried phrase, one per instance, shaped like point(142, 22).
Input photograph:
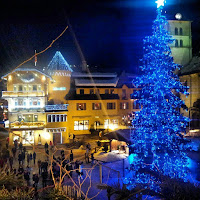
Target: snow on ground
point(110, 156)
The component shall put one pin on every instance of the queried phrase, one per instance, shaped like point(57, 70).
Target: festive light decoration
point(160, 3)
point(158, 146)
point(58, 62)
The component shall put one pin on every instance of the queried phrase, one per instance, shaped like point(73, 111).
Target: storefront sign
point(56, 107)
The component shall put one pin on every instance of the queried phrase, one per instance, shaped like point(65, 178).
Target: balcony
point(27, 125)
point(23, 94)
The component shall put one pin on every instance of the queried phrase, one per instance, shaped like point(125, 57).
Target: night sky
point(109, 32)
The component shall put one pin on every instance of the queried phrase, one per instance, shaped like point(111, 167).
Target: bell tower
point(60, 71)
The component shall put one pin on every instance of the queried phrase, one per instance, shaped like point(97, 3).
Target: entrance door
point(57, 138)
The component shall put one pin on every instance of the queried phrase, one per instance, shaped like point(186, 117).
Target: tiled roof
point(96, 82)
point(91, 96)
point(192, 67)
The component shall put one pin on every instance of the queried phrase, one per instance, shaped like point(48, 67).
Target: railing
point(21, 125)
point(22, 93)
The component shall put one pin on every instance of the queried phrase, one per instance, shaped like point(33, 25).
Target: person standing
point(16, 144)
point(51, 145)
point(71, 156)
point(28, 158)
point(34, 157)
point(14, 152)
point(11, 162)
point(46, 146)
point(39, 165)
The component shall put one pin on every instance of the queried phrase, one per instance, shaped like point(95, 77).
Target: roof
point(192, 67)
point(96, 82)
point(93, 75)
point(120, 135)
point(27, 67)
point(58, 62)
point(90, 96)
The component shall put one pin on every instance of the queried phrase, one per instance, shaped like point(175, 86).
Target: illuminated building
point(54, 104)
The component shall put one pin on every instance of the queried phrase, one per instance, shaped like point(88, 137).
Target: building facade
point(53, 104)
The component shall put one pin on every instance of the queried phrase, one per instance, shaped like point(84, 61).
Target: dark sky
point(109, 32)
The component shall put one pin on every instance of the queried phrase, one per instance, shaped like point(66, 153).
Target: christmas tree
point(158, 146)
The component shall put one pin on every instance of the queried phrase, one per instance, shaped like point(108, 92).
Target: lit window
point(29, 88)
point(96, 106)
point(81, 125)
point(123, 93)
point(35, 118)
point(39, 87)
point(25, 88)
point(124, 105)
point(81, 106)
point(15, 88)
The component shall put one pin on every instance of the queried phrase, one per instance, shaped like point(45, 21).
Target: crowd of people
point(20, 161)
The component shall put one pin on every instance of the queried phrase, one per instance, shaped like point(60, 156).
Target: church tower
point(182, 46)
point(60, 71)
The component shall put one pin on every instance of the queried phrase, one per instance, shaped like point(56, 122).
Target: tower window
point(81, 91)
point(176, 31)
point(181, 31)
point(176, 43)
point(181, 43)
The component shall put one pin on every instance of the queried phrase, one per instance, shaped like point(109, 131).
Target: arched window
point(176, 31)
point(181, 43)
point(176, 43)
point(181, 31)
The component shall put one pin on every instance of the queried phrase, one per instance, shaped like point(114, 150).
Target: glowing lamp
point(9, 77)
point(160, 3)
point(112, 127)
point(43, 78)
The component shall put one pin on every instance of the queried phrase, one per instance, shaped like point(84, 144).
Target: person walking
point(87, 155)
point(31, 157)
point(51, 145)
point(34, 157)
point(71, 156)
point(35, 181)
point(16, 144)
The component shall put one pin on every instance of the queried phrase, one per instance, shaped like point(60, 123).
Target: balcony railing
point(29, 125)
point(23, 94)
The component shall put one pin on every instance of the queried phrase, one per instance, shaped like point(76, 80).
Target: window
point(81, 91)
point(81, 125)
point(176, 31)
point(15, 88)
point(110, 123)
point(110, 106)
point(136, 105)
point(19, 118)
point(30, 88)
point(181, 43)
point(20, 88)
point(97, 91)
point(34, 102)
point(112, 91)
point(34, 87)
point(176, 43)
point(181, 31)
point(96, 106)
point(20, 102)
point(35, 118)
point(91, 91)
point(123, 94)
point(25, 88)
point(124, 105)
point(57, 118)
point(106, 91)
point(81, 106)
point(39, 87)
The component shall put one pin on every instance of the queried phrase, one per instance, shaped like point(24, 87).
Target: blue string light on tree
point(157, 140)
